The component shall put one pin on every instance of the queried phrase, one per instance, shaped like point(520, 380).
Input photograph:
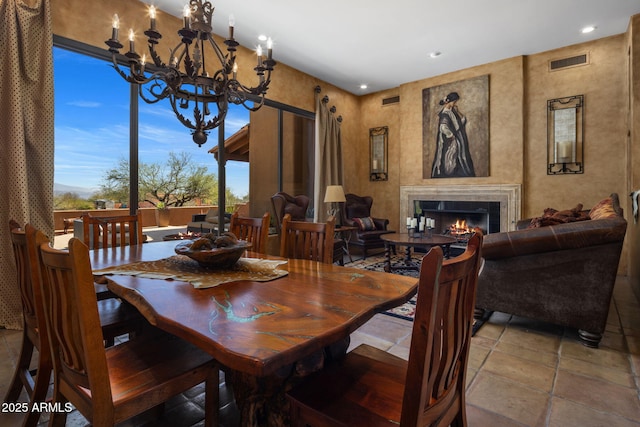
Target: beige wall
point(519, 88)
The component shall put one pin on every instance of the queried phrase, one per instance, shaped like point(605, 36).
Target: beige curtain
point(328, 169)
point(26, 134)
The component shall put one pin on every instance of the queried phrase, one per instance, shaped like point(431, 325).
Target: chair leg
point(212, 398)
point(58, 418)
point(40, 389)
point(22, 370)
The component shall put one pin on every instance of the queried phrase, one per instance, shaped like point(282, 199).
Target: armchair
point(356, 212)
point(283, 204)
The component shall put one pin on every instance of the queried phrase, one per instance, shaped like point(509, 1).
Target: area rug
point(407, 310)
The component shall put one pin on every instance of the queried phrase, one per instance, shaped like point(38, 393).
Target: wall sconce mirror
point(378, 141)
point(565, 148)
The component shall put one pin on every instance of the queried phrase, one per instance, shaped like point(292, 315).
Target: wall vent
point(392, 100)
point(574, 61)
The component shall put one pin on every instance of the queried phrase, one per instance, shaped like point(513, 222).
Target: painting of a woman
point(452, 157)
point(455, 129)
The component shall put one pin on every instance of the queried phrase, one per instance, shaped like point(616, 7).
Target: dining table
point(266, 334)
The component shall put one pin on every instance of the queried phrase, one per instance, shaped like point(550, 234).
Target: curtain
point(26, 134)
point(328, 170)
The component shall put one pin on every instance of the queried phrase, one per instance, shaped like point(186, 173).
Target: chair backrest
point(356, 207)
point(307, 240)
point(284, 203)
point(436, 373)
point(112, 231)
point(72, 319)
point(253, 230)
point(30, 290)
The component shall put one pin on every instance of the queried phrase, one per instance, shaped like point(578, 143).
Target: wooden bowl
point(224, 257)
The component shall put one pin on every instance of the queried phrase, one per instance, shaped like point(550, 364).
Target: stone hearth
point(508, 195)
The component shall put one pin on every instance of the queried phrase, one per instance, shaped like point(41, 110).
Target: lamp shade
point(334, 193)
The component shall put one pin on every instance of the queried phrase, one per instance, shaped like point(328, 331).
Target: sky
point(92, 126)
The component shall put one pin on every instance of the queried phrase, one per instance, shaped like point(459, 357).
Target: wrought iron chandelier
point(185, 80)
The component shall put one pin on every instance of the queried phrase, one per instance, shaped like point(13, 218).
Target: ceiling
point(383, 44)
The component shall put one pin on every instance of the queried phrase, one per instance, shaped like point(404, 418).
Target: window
point(92, 125)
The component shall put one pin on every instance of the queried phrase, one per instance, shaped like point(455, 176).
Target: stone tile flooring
point(522, 373)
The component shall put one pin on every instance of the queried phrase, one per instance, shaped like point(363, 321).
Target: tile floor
point(521, 374)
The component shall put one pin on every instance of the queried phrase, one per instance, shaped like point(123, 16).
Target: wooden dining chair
point(254, 230)
point(34, 334)
point(110, 385)
point(105, 232)
point(370, 387)
point(307, 240)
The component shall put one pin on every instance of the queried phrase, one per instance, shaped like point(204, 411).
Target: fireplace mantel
point(509, 196)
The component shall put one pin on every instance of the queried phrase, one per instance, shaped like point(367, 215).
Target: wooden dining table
point(265, 334)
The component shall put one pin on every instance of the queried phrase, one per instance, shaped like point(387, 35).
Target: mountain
point(82, 192)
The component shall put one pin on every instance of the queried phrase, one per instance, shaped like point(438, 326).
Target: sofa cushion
point(603, 209)
point(365, 223)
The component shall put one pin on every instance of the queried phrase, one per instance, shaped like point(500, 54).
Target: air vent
point(392, 100)
point(574, 61)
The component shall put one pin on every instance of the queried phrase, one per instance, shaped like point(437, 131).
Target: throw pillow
point(365, 224)
point(553, 217)
point(603, 209)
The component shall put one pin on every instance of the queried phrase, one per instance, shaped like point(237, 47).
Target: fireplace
point(493, 208)
point(455, 216)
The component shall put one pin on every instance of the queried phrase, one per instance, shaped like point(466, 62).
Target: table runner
point(181, 267)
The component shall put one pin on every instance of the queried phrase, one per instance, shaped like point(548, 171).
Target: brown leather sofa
point(562, 274)
point(360, 207)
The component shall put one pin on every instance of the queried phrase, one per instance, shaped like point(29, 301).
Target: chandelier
point(185, 80)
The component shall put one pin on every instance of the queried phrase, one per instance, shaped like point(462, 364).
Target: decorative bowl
point(216, 257)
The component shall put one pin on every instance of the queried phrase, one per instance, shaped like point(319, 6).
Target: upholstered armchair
point(356, 212)
point(284, 203)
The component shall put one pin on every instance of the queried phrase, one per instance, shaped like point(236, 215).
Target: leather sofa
point(357, 207)
point(562, 274)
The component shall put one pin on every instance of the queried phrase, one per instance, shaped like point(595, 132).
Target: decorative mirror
point(565, 147)
point(378, 139)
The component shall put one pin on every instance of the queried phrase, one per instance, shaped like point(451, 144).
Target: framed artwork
point(455, 129)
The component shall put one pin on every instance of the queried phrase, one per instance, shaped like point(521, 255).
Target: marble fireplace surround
point(509, 196)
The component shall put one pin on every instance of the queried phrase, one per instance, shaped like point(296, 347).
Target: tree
point(175, 183)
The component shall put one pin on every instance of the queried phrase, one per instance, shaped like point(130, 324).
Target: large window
point(92, 125)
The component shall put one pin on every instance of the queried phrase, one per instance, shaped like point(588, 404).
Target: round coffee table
point(403, 239)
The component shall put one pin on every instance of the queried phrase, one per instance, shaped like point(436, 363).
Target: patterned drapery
point(26, 134)
point(328, 169)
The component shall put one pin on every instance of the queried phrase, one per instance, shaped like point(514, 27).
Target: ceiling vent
point(574, 61)
point(392, 100)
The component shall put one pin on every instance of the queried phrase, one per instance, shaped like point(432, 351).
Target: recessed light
point(262, 38)
point(588, 29)
point(363, 86)
point(435, 54)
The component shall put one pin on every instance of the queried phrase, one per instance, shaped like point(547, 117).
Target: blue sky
point(92, 126)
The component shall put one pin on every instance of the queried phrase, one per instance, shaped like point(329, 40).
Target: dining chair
point(307, 240)
point(34, 334)
point(110, 385)
point(370, 387)
point(116, 317)
point(253, 230)
point(112, 231)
